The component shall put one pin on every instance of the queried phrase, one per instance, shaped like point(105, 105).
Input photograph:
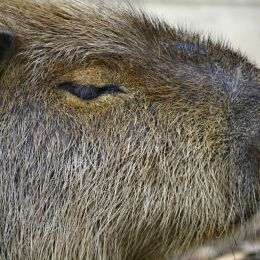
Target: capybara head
point(120, 137)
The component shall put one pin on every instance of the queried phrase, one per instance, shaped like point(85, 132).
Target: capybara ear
point(7, 44)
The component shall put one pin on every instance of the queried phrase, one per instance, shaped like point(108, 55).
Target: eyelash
point(88, 92)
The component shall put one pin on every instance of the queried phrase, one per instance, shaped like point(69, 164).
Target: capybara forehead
point(76, 32)
point(55, 37)
point(67, 30)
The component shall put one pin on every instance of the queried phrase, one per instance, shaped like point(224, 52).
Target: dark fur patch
point(186, 47)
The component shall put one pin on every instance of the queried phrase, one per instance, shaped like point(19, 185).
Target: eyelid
point(88, 92)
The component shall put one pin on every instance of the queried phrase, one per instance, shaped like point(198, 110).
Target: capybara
point(120, 137)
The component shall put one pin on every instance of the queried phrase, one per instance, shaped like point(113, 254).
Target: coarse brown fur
point(167, 163)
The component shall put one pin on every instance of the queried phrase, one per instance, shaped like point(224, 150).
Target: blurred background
point(238, 22)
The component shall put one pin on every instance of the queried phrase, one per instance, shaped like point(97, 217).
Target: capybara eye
point(7, 44)
point(87, 92)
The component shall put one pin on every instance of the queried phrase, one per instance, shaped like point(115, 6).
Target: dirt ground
point(242, 245)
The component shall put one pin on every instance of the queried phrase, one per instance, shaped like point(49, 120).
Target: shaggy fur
point(168, 161)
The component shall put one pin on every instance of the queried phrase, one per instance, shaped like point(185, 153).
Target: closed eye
point(88, 92)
